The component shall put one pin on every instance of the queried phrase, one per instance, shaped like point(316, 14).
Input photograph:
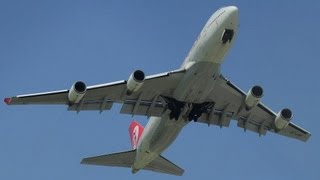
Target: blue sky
point(48, 45)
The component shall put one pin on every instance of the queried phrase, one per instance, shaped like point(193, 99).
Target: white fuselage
point(202, 67)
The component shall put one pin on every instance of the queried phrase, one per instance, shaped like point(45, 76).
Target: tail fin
point(135, 131)
point(126, 159)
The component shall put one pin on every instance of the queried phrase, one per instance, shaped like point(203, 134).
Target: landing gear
point(175, 107)
point(198, 109)
point(191, 111)
point(227, 36)
point(134, 170)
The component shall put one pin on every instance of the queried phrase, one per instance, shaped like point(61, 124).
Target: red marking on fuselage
point(135, 131)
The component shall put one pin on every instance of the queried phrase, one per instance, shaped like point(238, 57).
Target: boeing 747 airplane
point(197, 91)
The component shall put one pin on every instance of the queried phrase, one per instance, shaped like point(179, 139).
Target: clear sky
point(48, 45)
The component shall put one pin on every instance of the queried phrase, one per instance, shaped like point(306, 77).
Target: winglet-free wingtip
point(7, 100)
point(82, 161)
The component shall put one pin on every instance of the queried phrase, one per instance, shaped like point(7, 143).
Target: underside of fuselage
point(188, 100)
point(157, 136)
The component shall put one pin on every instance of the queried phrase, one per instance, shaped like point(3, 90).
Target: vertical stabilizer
point(135, 131)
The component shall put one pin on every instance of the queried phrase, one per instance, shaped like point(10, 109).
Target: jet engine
point(77, 91)
point(283, 118)
point(135, 81)
point(253, 97)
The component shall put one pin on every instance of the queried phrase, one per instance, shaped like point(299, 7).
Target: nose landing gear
point(227, 36)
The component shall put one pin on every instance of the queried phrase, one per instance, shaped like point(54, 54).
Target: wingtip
point(82, 162)
point(7, 100)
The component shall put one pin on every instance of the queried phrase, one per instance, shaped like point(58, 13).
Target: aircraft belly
point(197, 83)
point(159, 133)
point(166, 133)
point(209, 46)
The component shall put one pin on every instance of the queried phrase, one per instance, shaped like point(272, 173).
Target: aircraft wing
point(229, 100)
point(101, 97)
point(148, 101)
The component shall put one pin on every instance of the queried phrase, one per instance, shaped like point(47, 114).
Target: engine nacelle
point(253, 97)
point(135, 81)
point(76, 92)
point(283, 118)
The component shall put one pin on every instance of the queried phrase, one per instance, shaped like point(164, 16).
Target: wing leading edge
point(229, 100)
point(101, 97)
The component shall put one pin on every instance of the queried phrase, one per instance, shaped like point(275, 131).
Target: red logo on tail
point(135, 131)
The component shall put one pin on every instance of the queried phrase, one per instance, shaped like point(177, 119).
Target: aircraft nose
point(232, 14)
point(232, 11)
point(232, 8)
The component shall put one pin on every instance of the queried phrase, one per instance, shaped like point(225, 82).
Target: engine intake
point(283, 118)
point(253, 97)
point(76, 92)
point(135, 81)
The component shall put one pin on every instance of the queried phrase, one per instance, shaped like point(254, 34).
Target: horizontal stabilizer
point(121, 159)
point(126, 159)
point(162, 165)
